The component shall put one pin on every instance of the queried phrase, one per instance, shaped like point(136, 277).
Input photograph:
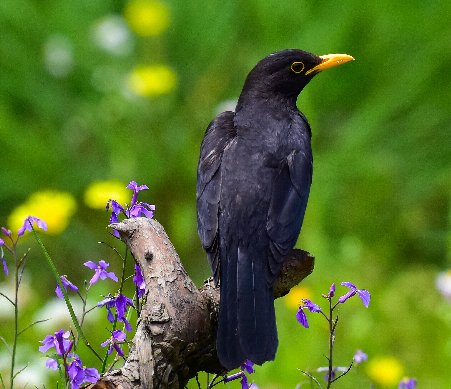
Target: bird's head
point(287, 72)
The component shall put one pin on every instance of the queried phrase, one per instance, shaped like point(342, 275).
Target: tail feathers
point(247, 323)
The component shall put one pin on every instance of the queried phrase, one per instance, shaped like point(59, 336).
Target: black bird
point(253, 183)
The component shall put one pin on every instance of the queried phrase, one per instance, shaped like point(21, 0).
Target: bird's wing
point(220, 131)
point(290, 194)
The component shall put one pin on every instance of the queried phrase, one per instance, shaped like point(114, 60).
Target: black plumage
point(253, 183)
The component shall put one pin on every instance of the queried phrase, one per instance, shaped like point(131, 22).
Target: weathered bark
point(176, 331)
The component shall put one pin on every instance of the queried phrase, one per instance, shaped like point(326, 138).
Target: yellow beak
point(329, 61)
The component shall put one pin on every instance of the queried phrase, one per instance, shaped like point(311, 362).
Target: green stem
point(16, 318)
point(66, 297)
point(331, 342)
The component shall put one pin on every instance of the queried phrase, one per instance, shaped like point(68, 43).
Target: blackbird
point(253, 183)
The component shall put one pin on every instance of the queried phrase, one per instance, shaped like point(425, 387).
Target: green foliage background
point(379, 211)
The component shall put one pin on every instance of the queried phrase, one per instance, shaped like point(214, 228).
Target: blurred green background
point(97, 90)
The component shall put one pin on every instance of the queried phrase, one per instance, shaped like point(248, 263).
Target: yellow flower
point(147, 17)
point(152, 80)
point(296, 294)
point(385, 370)
point(54, 207)
point(99, 192)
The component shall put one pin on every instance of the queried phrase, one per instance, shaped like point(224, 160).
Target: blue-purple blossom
point(133, 185)
point(51, 364)
point(120, 302)
point(66, 283)
point(29, 221)
point(100, 271)
point(333, 375)
point(301, 316)
point(109, 302)
point(135, 210)
point(60, 341)
point(138, 279)
point(248, 366)
point(117, 336)
point(408, 383)
point(360, 356)
point(363, 294)
point(79, 374)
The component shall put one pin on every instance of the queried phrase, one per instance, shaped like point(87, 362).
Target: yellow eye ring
point(297, 67)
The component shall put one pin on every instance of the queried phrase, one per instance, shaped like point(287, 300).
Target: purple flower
point(301, 316)
point(110, 303)
point(60, 341)
point(78, 374)
point(117, 336)
point(51, 364)
point(360, 356)
point(139, 209)
point(138, 279)
point(408, 383)
point(5, 268)
point(29, 222)
point(66, 283)
point(100, 271)
point(248, 366)
point(363, 294)
point(133, 185)
point(121, 303)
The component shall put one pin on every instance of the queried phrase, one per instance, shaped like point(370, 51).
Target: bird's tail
point(247, 322)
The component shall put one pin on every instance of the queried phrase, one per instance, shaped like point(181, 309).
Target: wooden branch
point(176, 331)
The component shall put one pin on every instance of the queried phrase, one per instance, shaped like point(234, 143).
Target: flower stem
point(331, 342)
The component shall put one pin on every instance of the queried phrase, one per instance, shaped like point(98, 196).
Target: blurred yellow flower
point(54, 207)
point(385, 370)
point(296, 294)
point(147, 17)
point(99, 192)
point(152, 80)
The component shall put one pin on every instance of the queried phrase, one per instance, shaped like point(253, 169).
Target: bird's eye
point(297, 67)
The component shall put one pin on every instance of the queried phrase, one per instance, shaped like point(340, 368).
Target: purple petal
point(5, 268)
point(349, 285)
point(348, 295)
point(58, 291)
point(94, 278)
point(132, 185)
point(302, 317)
point(365, 297)
point(2, 242)
point(91, 374)
point(360, 356)
point(106, 342)
point(119, 335)
point(111, 275)
point(243, 382)
point(103, 265)
point(110, 316)
point(51, 364)
point(149, 214)
point(248, 366)
point(118, 349)
point(41, 224)
point(91, 265)
point(312, 307)
point(150, 206)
